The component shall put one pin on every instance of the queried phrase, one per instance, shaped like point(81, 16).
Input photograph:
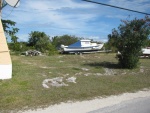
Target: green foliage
point(52, 50)
point(108, 46)
point(18, 47)
point(11, 31)
point(42, 44)
point(129, 39)
point(9, 28)
point(24, 46)
point(7, 24)
point(65, 39)
point(39, 40)
point(148, 42)
point(15, 46)
point(14, 39)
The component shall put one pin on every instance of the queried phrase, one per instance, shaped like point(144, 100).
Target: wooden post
point(5, 59)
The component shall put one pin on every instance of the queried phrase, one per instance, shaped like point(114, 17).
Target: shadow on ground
point(110, 65)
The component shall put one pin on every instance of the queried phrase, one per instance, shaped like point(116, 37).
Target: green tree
point(9, 28)
point(40, 41)
point(109, 45)
point(148, 42)
point(129, 39)
point(65, 39)
point(14, 39)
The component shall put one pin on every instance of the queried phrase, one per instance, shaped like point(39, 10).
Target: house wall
point(5, 59)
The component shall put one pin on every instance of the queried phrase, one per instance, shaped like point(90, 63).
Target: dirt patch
point(57, 82)
point(108, 71)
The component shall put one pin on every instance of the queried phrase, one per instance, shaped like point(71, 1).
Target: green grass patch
point(25, 89)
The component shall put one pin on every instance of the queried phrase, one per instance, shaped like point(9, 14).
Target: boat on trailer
point(146, 52)
point(82, 46)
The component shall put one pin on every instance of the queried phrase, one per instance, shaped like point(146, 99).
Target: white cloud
point(56, 4)
point(74, 17)
point(53, 12)
point(118, 16)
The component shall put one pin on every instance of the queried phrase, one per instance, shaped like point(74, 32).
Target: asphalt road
point(139, 105)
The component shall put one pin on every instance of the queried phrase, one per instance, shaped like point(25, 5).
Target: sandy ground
point(87, 106)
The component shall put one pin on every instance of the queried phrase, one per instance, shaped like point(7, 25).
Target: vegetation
point(131, 35)
point(10, 30)
point(39, 40)
point(97, 75)
point(148, 43)
point(129, 39)
point(64, 39)
point(108, 46)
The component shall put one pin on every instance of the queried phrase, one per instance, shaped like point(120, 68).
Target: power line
point(9, 13)
point(116, 7)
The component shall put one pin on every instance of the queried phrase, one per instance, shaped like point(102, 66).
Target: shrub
point(129, 39)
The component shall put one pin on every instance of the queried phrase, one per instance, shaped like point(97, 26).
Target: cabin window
point(86, 42)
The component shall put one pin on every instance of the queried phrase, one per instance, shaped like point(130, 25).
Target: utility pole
point(5, 59)
point(0, 6)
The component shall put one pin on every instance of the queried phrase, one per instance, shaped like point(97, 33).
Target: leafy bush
point(129, 39)
point(39, 40)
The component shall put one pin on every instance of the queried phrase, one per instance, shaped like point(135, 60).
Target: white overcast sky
point(72, 17)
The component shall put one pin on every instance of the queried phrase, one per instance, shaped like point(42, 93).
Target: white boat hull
point(81, 47)
point(146, 51)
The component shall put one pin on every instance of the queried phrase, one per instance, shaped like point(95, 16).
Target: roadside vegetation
point(97, 75)
point(36, 40)
point(129, 39)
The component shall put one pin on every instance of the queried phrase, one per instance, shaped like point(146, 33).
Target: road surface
point(139, 105)
point(138, 102)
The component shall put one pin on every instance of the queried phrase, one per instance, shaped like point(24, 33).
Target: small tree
point(64, 39)
point(9, 28)
point(39, 40)
point(129, 39)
